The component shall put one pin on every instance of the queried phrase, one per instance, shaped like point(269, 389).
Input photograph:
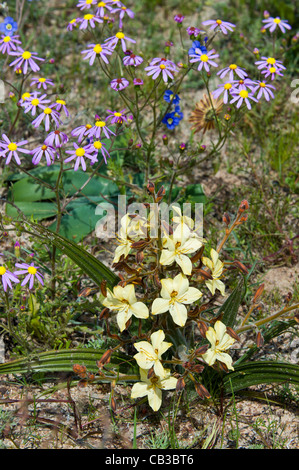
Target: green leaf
point(36, 210)
point(230, 307)
point(259, 373)
point(64, 360)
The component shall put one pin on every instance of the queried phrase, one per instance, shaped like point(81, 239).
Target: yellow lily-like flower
point(152, 388)
point(182, 219)
point(123, 300)
point(177, 247)
point(175, 293)
point(149, 355)
point(124, 242)
point(216, 267)
point(220, 341)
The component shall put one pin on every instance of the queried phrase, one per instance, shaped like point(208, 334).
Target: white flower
point(149, 355)
point(152, 388)
point(216, 267)
point(220, 341)
point(123, 300)
point(175, 293)
point(178, 246)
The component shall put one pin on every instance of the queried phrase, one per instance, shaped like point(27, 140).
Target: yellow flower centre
point(120, 35)
point(47, 111)
point(88, 2)
point(35, 101)
point(101, 4)
point(26, 55)
point(44, 147)
point(12, 146)
point(88, 126)
point(97, 144)
point(32, 270)
point(173, 294)
point(262, 85)
point(204, 58)
point(233, 66)
point(98, 48)
point(272, 69)
point(277, 20)
point(271, 60)
point(60, 102)
point(117, 114)
point(80, 152)
point(41, 80)
point(218, 21)
point(227, 86)
point(102, 123)
point(88, 17)
point(6, 39)
point(2, 270)
point(162, 66)
point(25, 95)
point(243, 93)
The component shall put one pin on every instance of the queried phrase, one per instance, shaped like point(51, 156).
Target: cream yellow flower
point(220, 341)
point(149, 355)
point(152, 388)
point(175, 293)
point(216, 267)
point(123, 300)
point(124, 243)
point(178, 246)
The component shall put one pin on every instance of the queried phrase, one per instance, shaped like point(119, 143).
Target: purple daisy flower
point(81, 132)
point(83, 4)
point(26, 59)
point(138, 81)
point(89, 20)
point(10, 149)
point(273, 23)
point(61, 105)
point(97, 146)
point(224, 88)
point(98, 128)
point(244, 84)
point(7, 278)
point(47, 116)
point(205, 60)
point(119, 37)
point(132, 59)
point(264, 89)
point(222, 25)
point(79, 154)
point(31, 272)
point(268, 62)
point(97, 50)
point(41, 82)
point(119, 84)
point(122, 10)
point(8, 44)
point(161, 66)
point(101, 9)
point(34, 102)
point(194, 32)
point(272, 72)
point(56, 139)
point(231, 69)
point(242, 95)
point(116, 117)
point(72, 24)
point(43, 151)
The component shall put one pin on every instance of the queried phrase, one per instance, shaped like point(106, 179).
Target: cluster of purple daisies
point(29, 272)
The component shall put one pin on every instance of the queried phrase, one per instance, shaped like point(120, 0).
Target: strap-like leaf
point(230, 307)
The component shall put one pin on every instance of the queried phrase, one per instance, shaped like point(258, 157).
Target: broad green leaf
point(37, 210)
